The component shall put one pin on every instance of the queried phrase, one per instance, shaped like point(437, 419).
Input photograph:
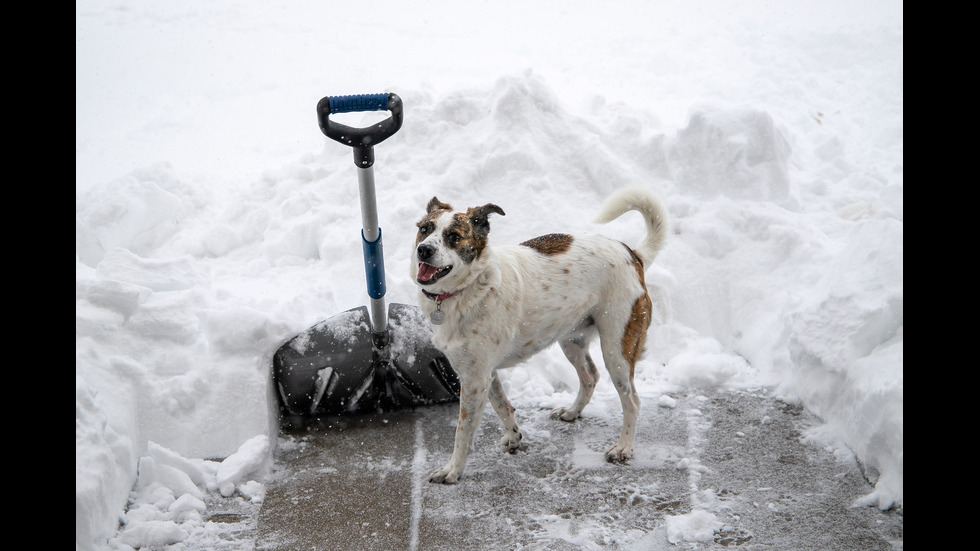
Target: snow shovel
point(359, 361)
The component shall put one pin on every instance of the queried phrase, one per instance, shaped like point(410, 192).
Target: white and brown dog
point(494, 307)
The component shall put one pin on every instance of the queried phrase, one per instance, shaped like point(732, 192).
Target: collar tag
point(437, 316)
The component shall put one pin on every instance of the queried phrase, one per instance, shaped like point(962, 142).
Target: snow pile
point(168, 502)
point(780, 162)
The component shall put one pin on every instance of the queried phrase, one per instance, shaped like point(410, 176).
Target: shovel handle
point(358, 102)
point(361, 139)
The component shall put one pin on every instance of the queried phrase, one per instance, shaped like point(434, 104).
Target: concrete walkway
point(361, 483)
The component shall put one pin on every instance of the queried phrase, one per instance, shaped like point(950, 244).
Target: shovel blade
point(321, 368)
point(341, 366)
point(419, 367)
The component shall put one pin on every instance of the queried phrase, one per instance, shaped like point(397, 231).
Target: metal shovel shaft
point(374, 269)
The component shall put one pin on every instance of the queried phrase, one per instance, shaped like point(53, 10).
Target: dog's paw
point(445, 475)
point(512, 443)
point(619, 454)
point(564, 414)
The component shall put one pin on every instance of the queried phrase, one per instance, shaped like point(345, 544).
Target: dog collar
point(437, 316)
point(437, 297)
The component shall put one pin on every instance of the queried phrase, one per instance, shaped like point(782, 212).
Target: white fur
point(653, 214)
point(511, 302)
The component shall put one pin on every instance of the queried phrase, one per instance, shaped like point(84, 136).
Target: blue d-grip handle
point(360, 102)
point(362, 140)
point(374, 266)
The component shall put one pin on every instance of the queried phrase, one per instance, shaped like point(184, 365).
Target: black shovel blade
point(419, 367)
point(330, 360)
point(341, 366)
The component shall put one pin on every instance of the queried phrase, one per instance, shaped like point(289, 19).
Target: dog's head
point(448, 244)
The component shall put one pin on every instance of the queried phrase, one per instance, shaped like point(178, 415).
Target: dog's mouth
point(429, 274)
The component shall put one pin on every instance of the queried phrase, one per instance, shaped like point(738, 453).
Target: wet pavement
point(362, 483)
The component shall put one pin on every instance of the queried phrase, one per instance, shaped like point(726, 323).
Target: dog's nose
point(425, 251)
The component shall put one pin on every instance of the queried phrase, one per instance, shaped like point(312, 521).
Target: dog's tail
point(653, 212)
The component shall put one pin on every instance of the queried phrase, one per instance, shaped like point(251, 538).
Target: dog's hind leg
point(621, 373)
point(620, 355)
point(576, 349)
point(511, 442)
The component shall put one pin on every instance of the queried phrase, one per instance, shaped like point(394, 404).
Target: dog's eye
point(425, 229)
point(453, 239)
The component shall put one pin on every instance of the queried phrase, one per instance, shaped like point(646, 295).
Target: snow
point(698, 525)
point(170, 491)
point(214, 221)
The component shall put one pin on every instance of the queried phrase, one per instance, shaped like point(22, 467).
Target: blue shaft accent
point(374, 266)
point(359, 102)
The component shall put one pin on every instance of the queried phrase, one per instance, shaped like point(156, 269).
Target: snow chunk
point(254, 491)
point(187, 507)
point(250, 456)
point(697, 525)
point(198, 470)
point(153, 533)
point(180, 483)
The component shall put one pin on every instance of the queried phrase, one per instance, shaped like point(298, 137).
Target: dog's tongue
point(426, 272)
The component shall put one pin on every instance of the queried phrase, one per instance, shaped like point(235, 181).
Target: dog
point(495, 307)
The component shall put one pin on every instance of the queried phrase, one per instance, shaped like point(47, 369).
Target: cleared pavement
point(361, 483)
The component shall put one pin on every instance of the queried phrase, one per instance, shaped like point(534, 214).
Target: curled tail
point(653, 212)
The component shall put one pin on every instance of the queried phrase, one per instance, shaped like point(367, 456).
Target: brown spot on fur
point(551, 244)
point(436, 204)
point(426, 225)
point(635, 333)
point(637, 264)
point(467, 233)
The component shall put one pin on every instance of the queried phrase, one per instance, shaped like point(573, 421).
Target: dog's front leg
point(472, 399)
point(512, 441)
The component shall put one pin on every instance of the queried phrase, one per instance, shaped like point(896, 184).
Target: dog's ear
point(436, 204)
point(479, 217)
